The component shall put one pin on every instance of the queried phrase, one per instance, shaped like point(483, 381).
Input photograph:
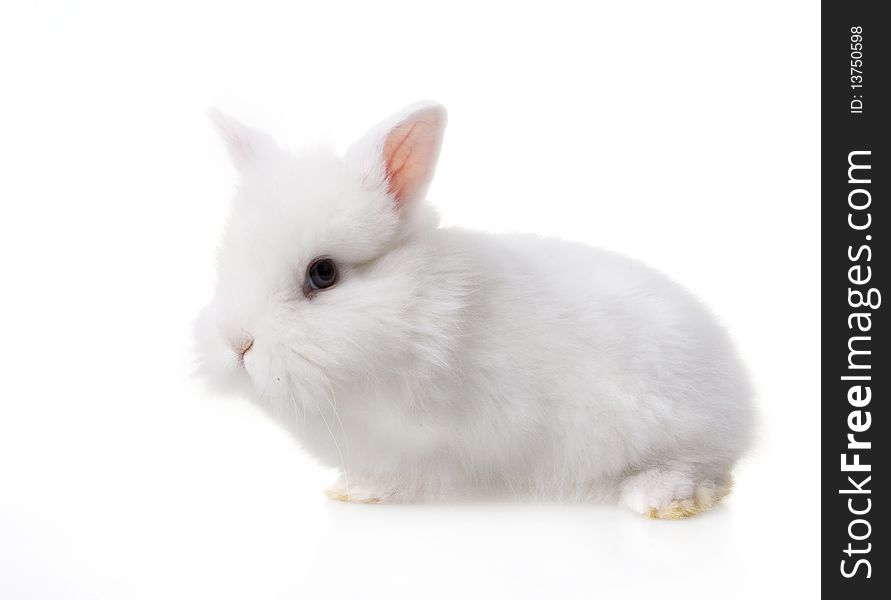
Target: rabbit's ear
point(401, 152)
point(245, 145)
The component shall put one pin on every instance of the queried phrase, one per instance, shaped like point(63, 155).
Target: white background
point(685, 134)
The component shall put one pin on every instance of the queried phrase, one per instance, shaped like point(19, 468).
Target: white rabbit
point(428, 362)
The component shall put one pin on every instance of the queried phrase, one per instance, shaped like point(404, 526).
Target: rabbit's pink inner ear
point(410, 153)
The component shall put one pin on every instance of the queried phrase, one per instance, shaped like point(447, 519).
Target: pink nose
point(245, 347)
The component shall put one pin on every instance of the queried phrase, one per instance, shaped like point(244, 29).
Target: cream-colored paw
point(672, 495)
point(705, 497)
point(357, 494)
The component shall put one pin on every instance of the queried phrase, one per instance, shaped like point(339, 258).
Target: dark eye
point(322, 273)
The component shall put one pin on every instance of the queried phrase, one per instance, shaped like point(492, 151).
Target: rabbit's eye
point(322, 273)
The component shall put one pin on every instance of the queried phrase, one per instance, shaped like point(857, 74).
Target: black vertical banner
point(856, 364)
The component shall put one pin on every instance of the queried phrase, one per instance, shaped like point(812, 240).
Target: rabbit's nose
point(244, 347)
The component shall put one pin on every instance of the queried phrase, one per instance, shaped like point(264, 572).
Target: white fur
point(447, 362)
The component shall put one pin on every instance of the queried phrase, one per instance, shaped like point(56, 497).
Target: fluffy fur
point(448, 362)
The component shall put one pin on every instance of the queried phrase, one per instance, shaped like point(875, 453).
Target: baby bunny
point(428, 362)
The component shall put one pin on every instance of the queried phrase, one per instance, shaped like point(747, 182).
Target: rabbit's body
point(447, 362)
point(570, 368)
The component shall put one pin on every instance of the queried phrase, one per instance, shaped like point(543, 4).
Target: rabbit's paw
point(662, 494)
point(360, 494)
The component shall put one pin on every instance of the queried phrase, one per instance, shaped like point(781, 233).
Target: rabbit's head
point(324, 276)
